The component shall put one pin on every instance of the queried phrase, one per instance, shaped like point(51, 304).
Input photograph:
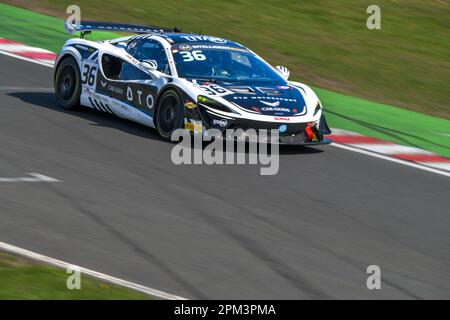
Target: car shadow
point(102, 119)
point(294, 150)
point(47, 100)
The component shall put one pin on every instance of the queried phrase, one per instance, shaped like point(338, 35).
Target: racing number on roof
point(89, 74)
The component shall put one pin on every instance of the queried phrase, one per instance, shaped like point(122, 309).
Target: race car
point(169, 80)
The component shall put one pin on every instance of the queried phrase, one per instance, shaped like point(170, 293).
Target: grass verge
point(345, 112)
point(387, 122)
point(21, 278)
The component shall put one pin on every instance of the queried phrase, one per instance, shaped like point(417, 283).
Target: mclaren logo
point(271, 104)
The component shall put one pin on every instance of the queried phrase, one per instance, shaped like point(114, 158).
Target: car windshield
point(222, 63)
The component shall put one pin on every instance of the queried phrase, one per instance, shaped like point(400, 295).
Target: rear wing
point(87, 26)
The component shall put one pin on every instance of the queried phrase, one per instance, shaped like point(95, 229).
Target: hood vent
point(271, 91)
point(242, 90)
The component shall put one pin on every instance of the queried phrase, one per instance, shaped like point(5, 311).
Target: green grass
point(37, 29)
point(333, 50)
point(387, 122)
point(21, 278)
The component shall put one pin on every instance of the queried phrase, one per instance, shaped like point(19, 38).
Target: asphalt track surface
point(124, 209)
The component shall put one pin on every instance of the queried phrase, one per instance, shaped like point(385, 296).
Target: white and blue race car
point(169, 80)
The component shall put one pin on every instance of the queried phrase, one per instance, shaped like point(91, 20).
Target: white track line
point(438, 165)
point(389, 148)
point(380, 156)
point(13, 47)
point(46, 89)
point(61, 264)
point(341, 132)
point(35, 177)
point(41, 62)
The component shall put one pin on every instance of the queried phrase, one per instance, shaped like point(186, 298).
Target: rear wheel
point(68, 84)
point(169, 114)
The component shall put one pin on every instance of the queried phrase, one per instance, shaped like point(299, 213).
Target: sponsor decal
point(204, 38)
point(149, 100)
point(137, 98)
point(138, 95)
point(216, 47)
point(282, 128)
point(220, 122)
point(186, 47)
point(85, 51)
point(264, 98)
point(115, 89)
point(281, 119)
point(79, 46)
point(271, 104)
point(195, 126)
point(275, 109)
point(190, 105)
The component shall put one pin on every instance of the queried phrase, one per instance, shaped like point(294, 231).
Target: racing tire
point(169, 114)
point(68, 84)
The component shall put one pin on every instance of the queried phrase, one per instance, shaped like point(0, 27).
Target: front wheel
point(68, 84)
point(169, 114)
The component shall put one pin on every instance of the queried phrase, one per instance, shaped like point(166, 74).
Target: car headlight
point(213, 104)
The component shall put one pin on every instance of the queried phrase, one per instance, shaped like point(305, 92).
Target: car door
point(131, 90)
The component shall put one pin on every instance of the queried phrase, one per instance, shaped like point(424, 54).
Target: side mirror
point(285, 73)
point(150, 65)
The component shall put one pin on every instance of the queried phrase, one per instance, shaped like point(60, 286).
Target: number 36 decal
point(215, 90)
point(189, 56)
point(89, 75)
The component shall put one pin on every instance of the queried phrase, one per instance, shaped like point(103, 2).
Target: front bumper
point(292, 133)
